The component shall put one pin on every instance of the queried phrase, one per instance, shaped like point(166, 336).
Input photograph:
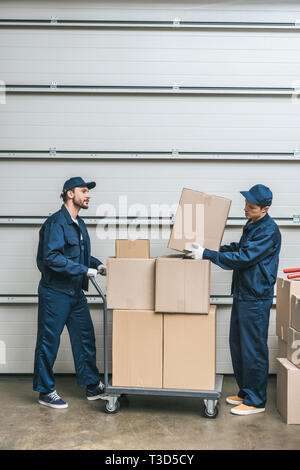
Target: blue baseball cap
point(77, 181)
point(259, 194)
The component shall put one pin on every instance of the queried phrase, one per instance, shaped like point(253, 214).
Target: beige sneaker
point(246, 410)
point(234, 400)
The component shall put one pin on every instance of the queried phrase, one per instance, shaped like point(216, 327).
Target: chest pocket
point(72, 247)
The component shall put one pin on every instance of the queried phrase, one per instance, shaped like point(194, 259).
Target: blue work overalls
point(254, 261)
point(63, 259)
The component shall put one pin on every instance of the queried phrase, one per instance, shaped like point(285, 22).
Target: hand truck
point(112, 394)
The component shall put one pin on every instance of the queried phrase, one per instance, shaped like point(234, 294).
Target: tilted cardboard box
point(285, 288)
point(288, 391)
point(190, 351)
point(295, 314)
point(132, 248)
point(130, 283)
point(137, 348)
point(182, 285)
point(199, 218)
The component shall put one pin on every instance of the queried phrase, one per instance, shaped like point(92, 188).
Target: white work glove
point(197, 251)
point(92, 272)
point(101, 269)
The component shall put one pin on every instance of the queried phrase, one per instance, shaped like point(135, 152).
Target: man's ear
point(266, 208)
point(70, 193)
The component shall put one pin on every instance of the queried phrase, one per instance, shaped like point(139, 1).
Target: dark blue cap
point(77, 181)
point(259, 194)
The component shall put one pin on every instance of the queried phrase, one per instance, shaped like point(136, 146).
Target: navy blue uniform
point(254, 261)
point(63, 259)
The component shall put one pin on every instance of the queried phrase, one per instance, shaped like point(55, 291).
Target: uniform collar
point(264, 219)
point(68, 215)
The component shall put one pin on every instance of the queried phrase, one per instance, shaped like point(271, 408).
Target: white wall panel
point(20, 276)
point(192, 10)
point(150, 123)
point(149, 58)
point(32, 188)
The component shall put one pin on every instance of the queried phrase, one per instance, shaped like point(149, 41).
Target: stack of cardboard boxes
point(288, 332)
point(164, 327)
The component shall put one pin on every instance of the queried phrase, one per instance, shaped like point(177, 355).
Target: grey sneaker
point(95, 391)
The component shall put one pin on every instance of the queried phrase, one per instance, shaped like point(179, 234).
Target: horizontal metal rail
point(209, 394)
point(137, 221)
point(55, 154)
point(150, 24)
point(33, 299)
point(162, 90)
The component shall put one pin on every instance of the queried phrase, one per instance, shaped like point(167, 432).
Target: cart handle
point(98, 288)
point(293, 276)
point(291, 270)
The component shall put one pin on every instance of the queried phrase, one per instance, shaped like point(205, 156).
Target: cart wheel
point(210, 414)
point(111, 409)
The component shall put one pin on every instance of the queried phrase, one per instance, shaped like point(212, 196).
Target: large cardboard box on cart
point(139, 248)
point(182, 285)
point(190, 351)
point(137, 349)
point(155, 350)
point(130, 283)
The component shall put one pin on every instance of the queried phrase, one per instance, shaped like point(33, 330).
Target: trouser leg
point(235, 347)
point(254, 324)
point(82, 337)
point(53, 311)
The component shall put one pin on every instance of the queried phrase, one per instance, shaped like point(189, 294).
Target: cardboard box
point(282, 348)
point(182, 285)
point(133, 248)
point(293, 347)
point(295, 315)
point(130, 283)
point(199, 218)
point(190, 351)
point(284, 291)
point(288, 391)
point(137, 348)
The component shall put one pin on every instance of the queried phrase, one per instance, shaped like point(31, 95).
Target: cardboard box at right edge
point(288, 389)
point(284, 291)
point(295, 313)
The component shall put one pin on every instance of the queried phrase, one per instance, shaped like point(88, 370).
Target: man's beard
point(79, 204)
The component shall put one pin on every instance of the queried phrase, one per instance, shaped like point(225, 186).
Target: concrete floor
point(142, 423)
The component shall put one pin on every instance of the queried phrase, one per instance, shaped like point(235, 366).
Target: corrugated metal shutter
point(241, 131)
